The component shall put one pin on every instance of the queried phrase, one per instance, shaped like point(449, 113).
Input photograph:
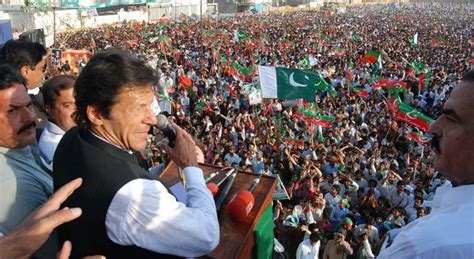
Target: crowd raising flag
point(290, 83)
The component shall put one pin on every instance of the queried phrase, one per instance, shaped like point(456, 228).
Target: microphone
point(212, 175)
point(166, 128)
point(226, 189)
point(214, 187)
point(242, 203)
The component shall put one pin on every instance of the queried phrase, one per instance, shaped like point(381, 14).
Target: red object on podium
point(236, 238)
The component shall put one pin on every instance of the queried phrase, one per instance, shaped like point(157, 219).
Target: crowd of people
point(359, 177)
point(350, 181)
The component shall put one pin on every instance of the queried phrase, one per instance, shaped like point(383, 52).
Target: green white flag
point(414, 40)
point(289, 83)
point(312, 60)
point(304, 63)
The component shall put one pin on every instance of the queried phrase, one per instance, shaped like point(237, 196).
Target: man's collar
point(34, 91)
point(54, 128)
point(449, 196)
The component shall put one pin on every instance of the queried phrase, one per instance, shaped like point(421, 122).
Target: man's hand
point(184, 151)
point(31, 234)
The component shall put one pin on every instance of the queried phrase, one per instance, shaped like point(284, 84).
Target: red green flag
point(424, 80)
point(381, 82)
point(417, 66)
point(201, 106)
point(310, 112)
point(412, 116)
point(371, 57)
point(397, 86)
point(316, 119)
point(349, 74)
point(243, 73)
point(417, 137)
point(373, 80)
point(293, 142)
point(286, 43)
point(360, 91)
point(339, 51)
point(392, 104)
point(326, 41)
point(187, 83)
point(323, 121)
point(399, 83)
point(439, 42)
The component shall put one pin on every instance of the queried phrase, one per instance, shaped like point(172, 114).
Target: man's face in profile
point(453, 141)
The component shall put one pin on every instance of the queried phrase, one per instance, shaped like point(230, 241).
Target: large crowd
point(348, 182)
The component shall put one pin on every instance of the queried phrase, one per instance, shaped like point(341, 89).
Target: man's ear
point(48, 108)
point(94, 115)
point(24, 71)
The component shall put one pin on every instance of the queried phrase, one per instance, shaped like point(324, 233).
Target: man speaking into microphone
point(127, 212)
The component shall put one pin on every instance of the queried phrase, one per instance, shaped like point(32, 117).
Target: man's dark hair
point(469, 76)
point(101, 79)
point(312, 227)
point(314, 237)
point(369, 220)
point(8, 76)
point(53, 87)
point(20, 53)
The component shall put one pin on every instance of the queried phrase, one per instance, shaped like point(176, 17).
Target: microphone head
point(213, 188)
point(162, 121)
point(240, 205)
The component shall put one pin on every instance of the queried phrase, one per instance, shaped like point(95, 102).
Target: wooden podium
point(236, 238)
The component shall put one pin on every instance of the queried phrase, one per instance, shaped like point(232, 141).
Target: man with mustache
point(25, 183)
point(127, 212)
point(447, 231)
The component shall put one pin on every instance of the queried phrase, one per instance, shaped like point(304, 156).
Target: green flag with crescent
point(290, 83)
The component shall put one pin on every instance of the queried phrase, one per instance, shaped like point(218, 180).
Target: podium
point(236, 238)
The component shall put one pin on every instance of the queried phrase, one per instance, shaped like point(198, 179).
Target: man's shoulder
point(441, 229)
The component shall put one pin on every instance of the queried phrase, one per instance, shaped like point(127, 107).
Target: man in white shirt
point(309, 248)
point(398, 197)
point(59, 102)
point(447, 231)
